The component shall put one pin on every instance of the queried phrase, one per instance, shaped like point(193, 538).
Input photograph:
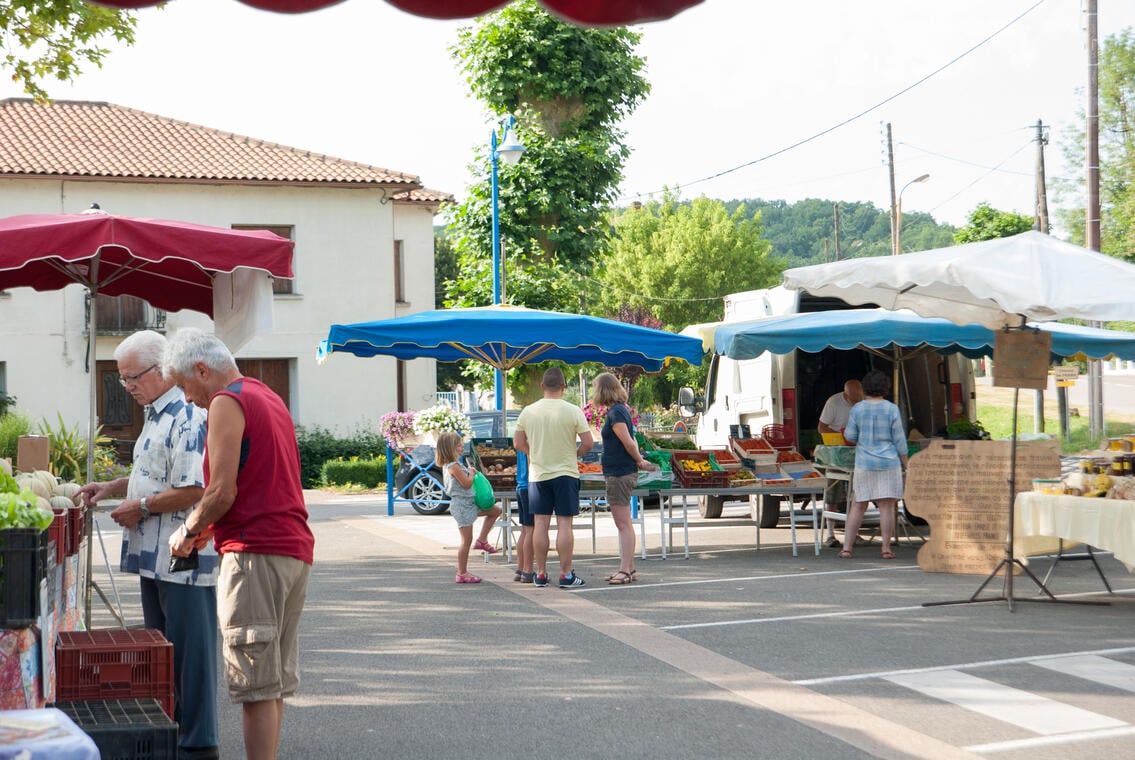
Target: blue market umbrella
point(506, 336)
point(897, 335)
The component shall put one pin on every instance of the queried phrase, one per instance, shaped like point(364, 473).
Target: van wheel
point(710, 507)
point(770, 510)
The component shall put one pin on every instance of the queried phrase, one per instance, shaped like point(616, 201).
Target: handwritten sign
point(1020, 358)
point(962, 489)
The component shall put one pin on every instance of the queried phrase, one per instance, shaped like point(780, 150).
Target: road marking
point(1031, 659)
point(1112, 673)
point(875, 735)
point(1036, 742)
point(1020, 708)
point(786, 618)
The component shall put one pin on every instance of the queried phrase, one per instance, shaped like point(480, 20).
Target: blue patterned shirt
point(169, 453)
point(875, 427)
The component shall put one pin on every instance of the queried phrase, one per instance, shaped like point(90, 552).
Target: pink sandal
point(467, 578)
point(484, 546)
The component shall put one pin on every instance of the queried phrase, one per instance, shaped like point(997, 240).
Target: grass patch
point(995, 411)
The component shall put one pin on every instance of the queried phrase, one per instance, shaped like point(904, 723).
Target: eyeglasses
point(126, 380)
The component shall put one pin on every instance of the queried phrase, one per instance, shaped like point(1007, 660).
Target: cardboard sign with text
point(1020, 358)
point(32, 453)
point(962, 489)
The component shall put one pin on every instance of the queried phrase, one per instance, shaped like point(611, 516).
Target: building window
point(399, 272)
point(279, 286)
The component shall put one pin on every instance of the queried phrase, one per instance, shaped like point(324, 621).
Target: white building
point(363, 251)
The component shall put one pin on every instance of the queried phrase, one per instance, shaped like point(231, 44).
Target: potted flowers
point(596, 415)
point(440, 419)
point(397, 428)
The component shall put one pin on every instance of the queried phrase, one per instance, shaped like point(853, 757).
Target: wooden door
point(119, 414)
point(271, 372)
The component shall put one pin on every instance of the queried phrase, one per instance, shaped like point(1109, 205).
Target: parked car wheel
point(427, 497)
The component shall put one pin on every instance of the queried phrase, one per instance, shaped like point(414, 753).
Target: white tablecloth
point(1043, 519)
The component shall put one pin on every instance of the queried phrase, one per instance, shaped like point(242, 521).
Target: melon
point(35, 485)
point(48, 480)
point(68, 489)
point(61, 502)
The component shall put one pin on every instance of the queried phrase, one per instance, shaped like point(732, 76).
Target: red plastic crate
point(117, 664)
point(697, 478)
point(57, 532)
point(76, 525)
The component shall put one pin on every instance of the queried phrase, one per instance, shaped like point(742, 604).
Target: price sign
point(1065, 375)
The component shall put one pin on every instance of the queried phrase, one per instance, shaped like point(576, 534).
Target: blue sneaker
point(568, 581)
point(540, 580)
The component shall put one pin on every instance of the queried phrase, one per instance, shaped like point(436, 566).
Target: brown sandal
point(845, 554)
point(621, 578)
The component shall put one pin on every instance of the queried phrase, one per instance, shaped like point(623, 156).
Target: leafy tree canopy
point(568, 88)
point(987, 223)
point(53, 39)
point(677, 260)
point(1117, 153)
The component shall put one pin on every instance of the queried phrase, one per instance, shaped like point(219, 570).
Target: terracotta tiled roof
point(423, 195)
point(88, 139)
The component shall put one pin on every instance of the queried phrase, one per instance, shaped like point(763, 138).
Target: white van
point(790, 389)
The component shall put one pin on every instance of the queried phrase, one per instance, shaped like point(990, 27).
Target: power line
point(857, 116)
point(983, 176)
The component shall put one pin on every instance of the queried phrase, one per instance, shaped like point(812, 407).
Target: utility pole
point(1092, 226)
point(894, 200)
point(837, 231)
point(1040, 223)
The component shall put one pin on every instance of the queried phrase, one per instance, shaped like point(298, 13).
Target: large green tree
point(568, 88)
point(678, 260)
point(1117, 152)
point(53, 39)
point(987, 223)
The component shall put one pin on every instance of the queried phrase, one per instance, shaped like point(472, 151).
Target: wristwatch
point(185, 527)
point(143, 508)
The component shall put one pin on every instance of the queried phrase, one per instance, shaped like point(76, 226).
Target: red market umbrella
point(172, 265)
point(583, 12)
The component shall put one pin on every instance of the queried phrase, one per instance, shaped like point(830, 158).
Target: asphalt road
point(733, 653)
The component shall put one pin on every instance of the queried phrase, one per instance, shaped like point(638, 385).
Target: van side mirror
point(688, 404)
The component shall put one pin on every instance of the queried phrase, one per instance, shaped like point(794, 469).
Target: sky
point(735, 85)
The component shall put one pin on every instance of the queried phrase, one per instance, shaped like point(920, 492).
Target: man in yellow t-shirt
point(546, 432)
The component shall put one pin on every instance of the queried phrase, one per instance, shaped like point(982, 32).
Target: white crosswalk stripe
point(1092, 667)
point(1031, 712)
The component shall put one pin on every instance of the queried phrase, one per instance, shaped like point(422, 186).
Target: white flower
point(442, 419)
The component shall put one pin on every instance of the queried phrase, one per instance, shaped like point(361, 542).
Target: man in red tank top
point(254, 512)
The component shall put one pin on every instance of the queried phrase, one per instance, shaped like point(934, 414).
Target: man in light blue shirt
point(166, 481)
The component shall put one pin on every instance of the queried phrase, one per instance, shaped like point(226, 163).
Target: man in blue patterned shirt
point(166, 481)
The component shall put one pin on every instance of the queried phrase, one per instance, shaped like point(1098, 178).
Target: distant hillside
point(804, 232)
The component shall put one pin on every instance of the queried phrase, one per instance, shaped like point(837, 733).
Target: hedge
point(317, 445)
point(368, 472)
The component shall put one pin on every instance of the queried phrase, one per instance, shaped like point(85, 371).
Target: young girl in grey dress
point(458, 482)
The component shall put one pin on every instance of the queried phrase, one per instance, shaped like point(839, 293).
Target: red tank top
point(268, 515)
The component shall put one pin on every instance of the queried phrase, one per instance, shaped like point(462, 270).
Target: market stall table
point(1044, 520)
point(813, 489)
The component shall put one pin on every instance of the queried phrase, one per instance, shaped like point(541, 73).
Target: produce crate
point(23, 565)
point(742, 478)
point(126, 729)
point(502, 482)
point(114, 664)
point(726, 458)
point(756, 449)
point(836, 456)
point(799, 470)
point(668, 441)
point(57, 532)
point(76, 525)
point(714, 478)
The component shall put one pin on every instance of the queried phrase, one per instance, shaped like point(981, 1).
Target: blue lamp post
point(510, 150)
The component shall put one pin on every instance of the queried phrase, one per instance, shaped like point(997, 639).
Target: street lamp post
point(898, 214)
point(510, 150)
